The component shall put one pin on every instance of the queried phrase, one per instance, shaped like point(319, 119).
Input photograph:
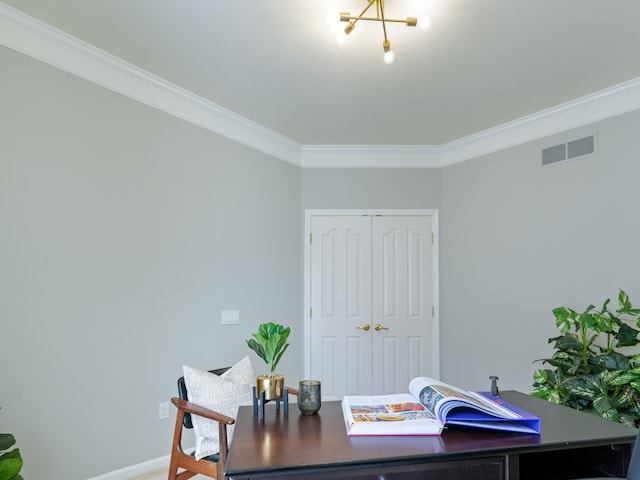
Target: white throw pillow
point(223, 394)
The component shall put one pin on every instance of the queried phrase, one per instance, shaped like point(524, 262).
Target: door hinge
point(433, 311)
point(433, 237)
point(310, 237)
point(310, 312)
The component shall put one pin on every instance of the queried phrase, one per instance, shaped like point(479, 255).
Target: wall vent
point(566, 151)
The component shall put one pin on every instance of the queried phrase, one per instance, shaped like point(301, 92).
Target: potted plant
point(10, 461)
point(592, 371)
point(270, 343)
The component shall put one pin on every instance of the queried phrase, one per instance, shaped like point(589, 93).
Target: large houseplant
point(270, 343)
point(593, 370)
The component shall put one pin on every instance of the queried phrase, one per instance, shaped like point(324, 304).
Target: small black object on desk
point(494, 385)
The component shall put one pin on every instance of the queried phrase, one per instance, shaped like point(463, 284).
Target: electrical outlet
point(163, 410)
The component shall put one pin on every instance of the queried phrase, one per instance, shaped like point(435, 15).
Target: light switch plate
point(230, 317)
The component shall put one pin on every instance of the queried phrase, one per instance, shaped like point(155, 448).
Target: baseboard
point(135, 470)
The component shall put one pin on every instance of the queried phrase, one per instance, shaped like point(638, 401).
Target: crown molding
point(41, 41)
point(617, 100)
point(371, 156)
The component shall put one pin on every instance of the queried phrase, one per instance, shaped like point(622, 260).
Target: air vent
point(554, 154)
point(565, 151)
point(580, 147)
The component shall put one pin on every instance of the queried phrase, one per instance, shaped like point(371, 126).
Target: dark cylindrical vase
point(309, 397)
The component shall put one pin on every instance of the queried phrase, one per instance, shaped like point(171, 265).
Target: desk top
point(297, 443)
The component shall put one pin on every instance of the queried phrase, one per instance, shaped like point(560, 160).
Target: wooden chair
point(213, 465)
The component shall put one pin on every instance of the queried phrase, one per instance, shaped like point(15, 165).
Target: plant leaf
point(10, 464)
point(564, 318)
point(627, 336)
point(540, 377)
point(602, 404)
point(6, 441)
point(277, 359)
point(587, 320)
point(258, 348)
point(603, 322)
point(568, 342)
point(623, 302)
point(584, 386)
point(616, 361)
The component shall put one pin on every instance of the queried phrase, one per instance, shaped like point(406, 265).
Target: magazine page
point(439, 398)
point(388, 414)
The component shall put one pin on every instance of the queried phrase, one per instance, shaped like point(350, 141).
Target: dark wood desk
point(572, 444)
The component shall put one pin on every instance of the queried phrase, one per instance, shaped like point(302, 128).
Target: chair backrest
point(184, 395)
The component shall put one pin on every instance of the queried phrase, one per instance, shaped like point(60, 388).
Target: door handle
point(379, 327)
point(364, 327)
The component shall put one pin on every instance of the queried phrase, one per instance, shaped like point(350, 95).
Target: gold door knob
point(364, 327)
point(379, 327)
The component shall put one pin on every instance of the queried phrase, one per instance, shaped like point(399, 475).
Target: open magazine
point(429, 407)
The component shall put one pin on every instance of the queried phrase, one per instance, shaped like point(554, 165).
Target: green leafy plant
point(270, 343)
point(10, 461)
point(592, 369)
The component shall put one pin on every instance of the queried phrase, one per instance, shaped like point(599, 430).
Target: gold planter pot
point(271, 385)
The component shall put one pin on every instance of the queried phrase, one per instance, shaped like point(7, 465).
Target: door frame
point(306, 327)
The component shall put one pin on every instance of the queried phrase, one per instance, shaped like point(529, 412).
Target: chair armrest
point(195, 409)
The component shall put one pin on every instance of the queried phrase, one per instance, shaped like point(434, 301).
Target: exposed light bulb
point(388, 57)
point(332, 19)
point(342, 36)
point(424, 23)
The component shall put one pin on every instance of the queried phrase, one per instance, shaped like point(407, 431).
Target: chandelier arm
point(384, 24)
point(374, 19)
point(359, 17)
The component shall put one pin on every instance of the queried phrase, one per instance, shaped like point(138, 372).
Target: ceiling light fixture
point(388, 57)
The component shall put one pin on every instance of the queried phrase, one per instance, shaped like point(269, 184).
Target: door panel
point(402, 301)
point(341, 267)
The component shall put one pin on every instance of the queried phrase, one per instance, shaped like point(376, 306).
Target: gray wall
point(370, 188)
point(518, 240)
point(124, 232)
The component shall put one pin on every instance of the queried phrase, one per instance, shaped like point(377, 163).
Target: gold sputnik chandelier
point(388, 57)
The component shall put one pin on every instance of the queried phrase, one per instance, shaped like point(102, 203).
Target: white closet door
point(402, 301)
point(340, 304)
point(371, 297)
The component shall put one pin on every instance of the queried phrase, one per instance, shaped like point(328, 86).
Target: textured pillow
point(223, 394)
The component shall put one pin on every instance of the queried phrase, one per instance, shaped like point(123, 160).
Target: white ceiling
point(482, 64)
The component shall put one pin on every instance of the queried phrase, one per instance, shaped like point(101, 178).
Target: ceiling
point(482, 64)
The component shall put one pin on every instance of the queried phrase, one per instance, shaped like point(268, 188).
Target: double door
point(372, 323)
